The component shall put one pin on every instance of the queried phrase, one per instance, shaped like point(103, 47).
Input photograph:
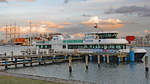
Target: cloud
point(142, 11)
point(47, 24)
point(79, 35)
point(104, 24)
point(67, 23)
point(26, 30)
point(5, 1)
point(50, 24)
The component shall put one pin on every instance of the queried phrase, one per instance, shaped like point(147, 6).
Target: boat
point(93, 42)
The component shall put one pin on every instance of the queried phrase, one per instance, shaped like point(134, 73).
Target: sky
point(129, 17)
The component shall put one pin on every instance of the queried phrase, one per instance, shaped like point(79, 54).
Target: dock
point(29, 60)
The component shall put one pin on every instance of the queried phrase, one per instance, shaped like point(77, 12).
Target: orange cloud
point(25, 30)
point(47, 24)
point(78, 35)
point(67, 23)
point(50, 24)
point(104, 24)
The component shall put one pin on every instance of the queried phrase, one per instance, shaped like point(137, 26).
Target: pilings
point(86, 62)
point(98, 60)
point(31, 61)
point(146, 64)
point(70, 63)
point(107, 58)
point(6, 63)
point(15, 62)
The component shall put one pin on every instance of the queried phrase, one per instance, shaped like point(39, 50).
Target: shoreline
point(48, 79)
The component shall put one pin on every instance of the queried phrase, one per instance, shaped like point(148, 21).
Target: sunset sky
point(75, 16)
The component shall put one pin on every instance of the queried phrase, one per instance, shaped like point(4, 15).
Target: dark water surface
point(133, 73)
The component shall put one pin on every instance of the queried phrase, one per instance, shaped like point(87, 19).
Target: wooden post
point(53, 58)
point(44, 58)
point(15, 62)
point(70, 63)
point(12, 54)
point(86, 62)
point(98, 60)
point(39, 59)
point(6, 63)
point(24, 61)
point(146, 64)
point(31, 61)
point(107, 58)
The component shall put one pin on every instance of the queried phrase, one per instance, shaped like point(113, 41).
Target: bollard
point(70, 64)
point(6, 63)
point(12, 54)
point(39, 59)
point(131, 53)
point(53, 59)
point(31, 61)
point(86, 62)
point(15, 62)
point(107, 58)
point(146, 64)
point(24, 61)
point(98, 60)
point(44, 59)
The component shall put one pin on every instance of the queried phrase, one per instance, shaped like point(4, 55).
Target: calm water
point(133, 73)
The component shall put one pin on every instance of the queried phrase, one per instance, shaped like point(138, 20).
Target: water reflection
point(132, 65)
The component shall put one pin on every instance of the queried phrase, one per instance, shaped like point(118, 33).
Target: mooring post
point(15, 62)
point(12, 54)
point(39, 59)
point(44, 59)
point(6, 63)
point(31, 61)
point(107, 58)
point(53, 58)
point(146, 64)
point(70, 63)
point(104, 58)
point(86, 62)
point(131, 54)
point(24, 61)
point(98, 60)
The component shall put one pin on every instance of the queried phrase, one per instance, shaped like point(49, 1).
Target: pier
point(29, 59)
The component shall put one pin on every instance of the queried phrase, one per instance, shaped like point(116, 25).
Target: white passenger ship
point(92, 42)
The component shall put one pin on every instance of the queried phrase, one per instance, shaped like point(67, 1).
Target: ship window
point(105, 46)
point(85, 46)
point(64, 46)
point(48, 46)
point(45, 46)
point(118, 46)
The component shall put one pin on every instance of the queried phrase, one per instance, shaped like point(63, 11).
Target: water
point(133, 73)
